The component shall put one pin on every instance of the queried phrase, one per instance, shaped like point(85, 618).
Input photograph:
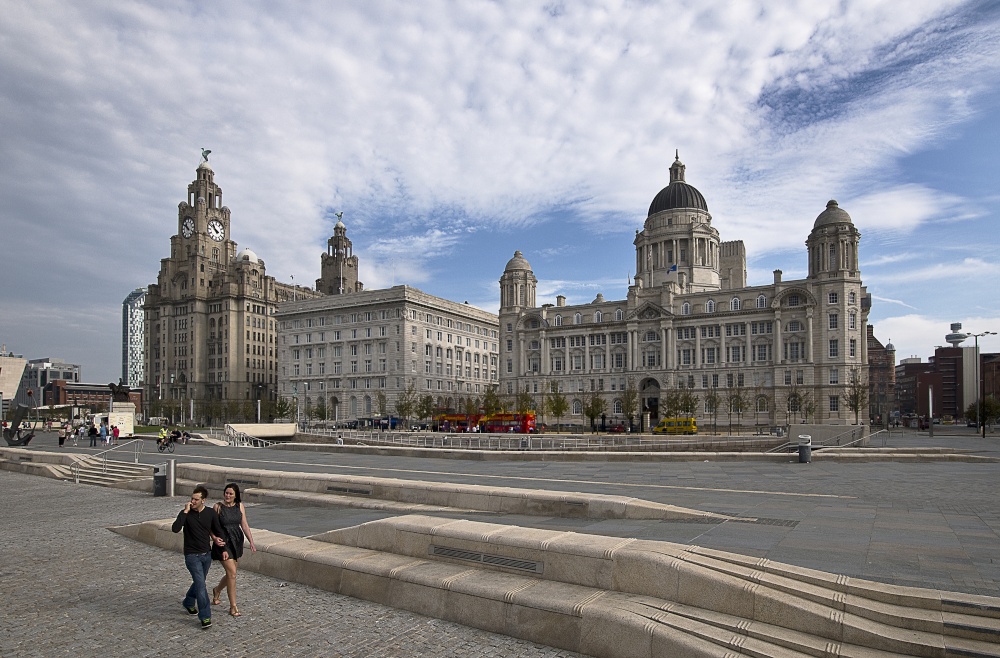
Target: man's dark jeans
point(198, 564)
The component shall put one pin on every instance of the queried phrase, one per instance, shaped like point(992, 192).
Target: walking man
point(201, 527)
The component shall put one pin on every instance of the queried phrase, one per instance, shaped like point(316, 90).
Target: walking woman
point(233, 517)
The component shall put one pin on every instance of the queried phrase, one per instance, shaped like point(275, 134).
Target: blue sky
point(452, 133)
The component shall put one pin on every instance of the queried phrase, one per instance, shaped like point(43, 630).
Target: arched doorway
point(649, 403)
point(334, 408)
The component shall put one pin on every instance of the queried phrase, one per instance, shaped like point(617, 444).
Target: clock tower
point(210, 340)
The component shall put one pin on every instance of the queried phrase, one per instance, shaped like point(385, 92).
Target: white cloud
point(426, 122)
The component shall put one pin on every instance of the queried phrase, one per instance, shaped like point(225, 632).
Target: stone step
point(615, 597)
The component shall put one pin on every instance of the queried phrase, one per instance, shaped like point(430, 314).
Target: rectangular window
point(834, 348)
point(834, 376)
point(833, 298)
point(853, 346)
point(833, 320)
point(834, 403)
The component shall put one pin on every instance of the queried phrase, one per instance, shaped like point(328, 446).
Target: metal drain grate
point(784, 523)
point(483, 558)
point(349, 490)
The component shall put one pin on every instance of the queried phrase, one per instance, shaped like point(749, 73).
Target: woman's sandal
point(216, 593)
point(234, 611)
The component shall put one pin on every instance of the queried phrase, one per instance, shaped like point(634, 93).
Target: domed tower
point(339, 267)
point(517, 285)
point(678, 241)
point(833, 245)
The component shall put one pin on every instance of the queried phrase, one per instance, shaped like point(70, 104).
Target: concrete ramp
point(618, 598)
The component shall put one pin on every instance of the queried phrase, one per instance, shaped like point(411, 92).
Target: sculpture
point(204, 154)
point(119, 391)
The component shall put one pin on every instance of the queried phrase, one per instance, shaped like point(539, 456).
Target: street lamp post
point(980, 383)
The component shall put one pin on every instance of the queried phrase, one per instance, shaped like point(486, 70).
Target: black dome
point(677, 195)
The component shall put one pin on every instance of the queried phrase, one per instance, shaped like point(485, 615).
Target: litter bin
point(805, 448)
point(160, 480)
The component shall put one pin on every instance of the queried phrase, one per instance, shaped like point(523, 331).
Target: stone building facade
point(881, 378)
point(339, 353)
point(209, 329)
point(787, 348)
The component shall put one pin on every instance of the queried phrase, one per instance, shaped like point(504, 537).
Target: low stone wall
point(617, 598)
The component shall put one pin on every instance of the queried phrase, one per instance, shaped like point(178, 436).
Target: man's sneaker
point(206, 623)
point(191, 611)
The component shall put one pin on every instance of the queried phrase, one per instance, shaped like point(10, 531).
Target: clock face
point(215, 230)
point(187, 228)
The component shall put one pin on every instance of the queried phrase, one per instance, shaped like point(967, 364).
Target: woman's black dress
point(231, 519)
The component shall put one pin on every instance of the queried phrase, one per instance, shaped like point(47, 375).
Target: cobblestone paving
point(72, 587)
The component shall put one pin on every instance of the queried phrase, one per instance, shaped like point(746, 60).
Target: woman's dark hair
point(236, 490)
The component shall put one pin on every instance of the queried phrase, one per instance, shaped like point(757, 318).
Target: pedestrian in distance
point(115, 433)
point(233, 517)
point(202, 530)
point(92, 433)
point(104, 433)
point(62, 434)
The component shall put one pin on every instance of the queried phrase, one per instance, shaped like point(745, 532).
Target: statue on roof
point(204, 154)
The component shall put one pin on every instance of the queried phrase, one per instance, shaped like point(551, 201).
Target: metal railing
point(857, 434)
point(137, 447)
point(240, 439)
point(522, 442)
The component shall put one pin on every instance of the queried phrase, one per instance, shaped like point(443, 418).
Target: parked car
point(616, 428)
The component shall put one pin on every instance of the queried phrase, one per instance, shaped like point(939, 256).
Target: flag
point(672, 268)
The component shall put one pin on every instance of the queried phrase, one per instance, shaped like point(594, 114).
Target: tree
point(319, 409)
point(406, 403)
point(712, 400)
point(282, 408)
point(990, 408)
point(594, 407)
point(630, 401)
point(689, 402)
point(738, 399)
point(523, 402)
point(491, 401)
point(425, 407)
point(556, 404)
point(381, 404)
point(470, 407)
point(855, 392)
point(672, 402)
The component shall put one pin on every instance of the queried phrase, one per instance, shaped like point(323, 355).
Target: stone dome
point(518, 262)
point(247, 255)
point(832, 215)
point(678, 194)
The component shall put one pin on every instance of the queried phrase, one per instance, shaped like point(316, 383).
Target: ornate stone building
point(786, 349)
point(339, 265)
point(209, 329)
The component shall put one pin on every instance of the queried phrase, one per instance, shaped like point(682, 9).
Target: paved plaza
point(76, 588)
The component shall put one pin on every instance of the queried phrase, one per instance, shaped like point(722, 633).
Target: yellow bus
point(676, 426)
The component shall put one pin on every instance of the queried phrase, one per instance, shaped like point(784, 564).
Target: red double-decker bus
point(509, 423)
point(457, 422)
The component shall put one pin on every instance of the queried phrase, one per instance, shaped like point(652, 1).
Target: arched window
point(354, 407)
point(616, 407)
point(762, 404)
point(619, 315)
point(597, 316)
point(761, 301)
point(577, 319)
point(710, 306)
point(734, 304)
point(558, 320)
point(685, 309)
point(577, 407)
point(368, 405)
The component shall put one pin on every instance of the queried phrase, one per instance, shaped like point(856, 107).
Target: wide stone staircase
point(619, 598)
point(103, 472)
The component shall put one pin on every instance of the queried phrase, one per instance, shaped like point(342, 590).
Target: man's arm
point(181, 518)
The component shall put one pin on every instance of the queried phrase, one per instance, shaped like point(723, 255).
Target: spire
point(677, 168)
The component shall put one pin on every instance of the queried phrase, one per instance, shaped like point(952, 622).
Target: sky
point(452, 133)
